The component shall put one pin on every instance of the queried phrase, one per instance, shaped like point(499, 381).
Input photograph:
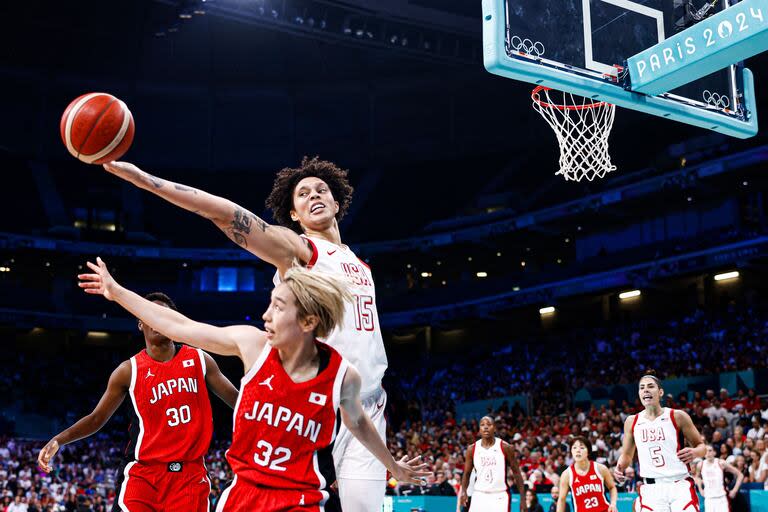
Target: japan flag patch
point(188, 362)
point(317, 398)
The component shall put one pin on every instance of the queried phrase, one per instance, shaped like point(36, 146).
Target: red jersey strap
point(315, 252)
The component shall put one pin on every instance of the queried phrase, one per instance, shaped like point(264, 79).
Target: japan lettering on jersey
point(491, 466)
point(283, 431)
point(658, 442)
point(358, 337)
point(173, 413)
point(588, 490)
point(714, 479)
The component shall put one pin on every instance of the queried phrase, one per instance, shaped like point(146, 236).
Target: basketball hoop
point(582, 127)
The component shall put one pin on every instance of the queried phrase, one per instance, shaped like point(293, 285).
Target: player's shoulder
point(679, 415)
point(122, 373)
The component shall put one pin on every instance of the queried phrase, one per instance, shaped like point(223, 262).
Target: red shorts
point(162, 487)
point(246, 497)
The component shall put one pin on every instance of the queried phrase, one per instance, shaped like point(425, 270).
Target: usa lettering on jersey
point(356, 274)
point(171, 386)
point(651, 434)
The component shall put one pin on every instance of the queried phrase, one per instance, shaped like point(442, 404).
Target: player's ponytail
point(318, 294)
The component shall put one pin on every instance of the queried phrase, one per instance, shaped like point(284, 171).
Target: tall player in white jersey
point(491, 457)
point(308, 202)
point(710, 479)
point(659, 434)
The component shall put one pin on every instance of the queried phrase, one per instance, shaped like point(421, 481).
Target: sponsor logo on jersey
point(174, 467)
point(188, 362)
point(149, 374)
point(317, 398)
point(283, 417)
point(593, 477)
point(268, 382)
point(331, 252)
point(171, 386)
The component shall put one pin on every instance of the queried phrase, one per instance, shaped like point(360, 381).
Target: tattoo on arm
point(185, 189)
point(242, 221)
point(155, 181)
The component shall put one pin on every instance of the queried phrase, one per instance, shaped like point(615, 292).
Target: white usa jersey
point(658, 442)
point(714, 481)
point(491, 467)
point(358, 338)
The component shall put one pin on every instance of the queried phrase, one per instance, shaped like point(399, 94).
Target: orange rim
point(535, 97)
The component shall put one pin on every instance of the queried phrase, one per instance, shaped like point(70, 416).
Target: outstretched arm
point(565, 488)
point(274, 244)
point(697, 449)
point(697, 477)
point(469, 465)
point(517, 475)
point(739, 479)
point(359, 424)
point(627, 450)
point(218, 383)
point(611, 486)
point(117, 387)
point(243, 341)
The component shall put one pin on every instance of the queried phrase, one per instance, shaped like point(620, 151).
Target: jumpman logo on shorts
point(149, 373)
point(301, 501)
point(268, 382)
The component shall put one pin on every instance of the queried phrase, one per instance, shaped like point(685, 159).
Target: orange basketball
point(97, 128)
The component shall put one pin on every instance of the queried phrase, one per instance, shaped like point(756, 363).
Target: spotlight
point(629, 295)
point(359, 32)
point(547, 310)
point(727, 275)
point(482, 274)
point(298, 20)
point(274, 14)
point(393, 39)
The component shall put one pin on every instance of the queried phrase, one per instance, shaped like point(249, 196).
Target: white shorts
point(678, 496)
point(489, 501)
point(352, 460)
point(718, 504)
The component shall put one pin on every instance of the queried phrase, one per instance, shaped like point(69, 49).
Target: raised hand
point(411, 471)
point(99, 283)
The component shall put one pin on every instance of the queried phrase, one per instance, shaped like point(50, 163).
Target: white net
point(582, 127)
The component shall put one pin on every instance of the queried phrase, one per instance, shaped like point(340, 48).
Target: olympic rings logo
point(716, 100)
point(527, 46)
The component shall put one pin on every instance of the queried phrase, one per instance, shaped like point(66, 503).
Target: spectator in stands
point(532, 502)
point(555, 493)
point(716, 411)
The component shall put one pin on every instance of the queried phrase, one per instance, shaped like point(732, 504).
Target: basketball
point(97, 128)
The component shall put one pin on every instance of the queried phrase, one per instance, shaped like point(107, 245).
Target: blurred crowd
point(423, 417)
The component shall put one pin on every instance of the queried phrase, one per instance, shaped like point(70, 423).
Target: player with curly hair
point(308, 202)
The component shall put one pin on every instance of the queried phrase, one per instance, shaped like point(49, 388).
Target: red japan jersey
point(588, 490)
point(173, 413)
point(284, 431)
